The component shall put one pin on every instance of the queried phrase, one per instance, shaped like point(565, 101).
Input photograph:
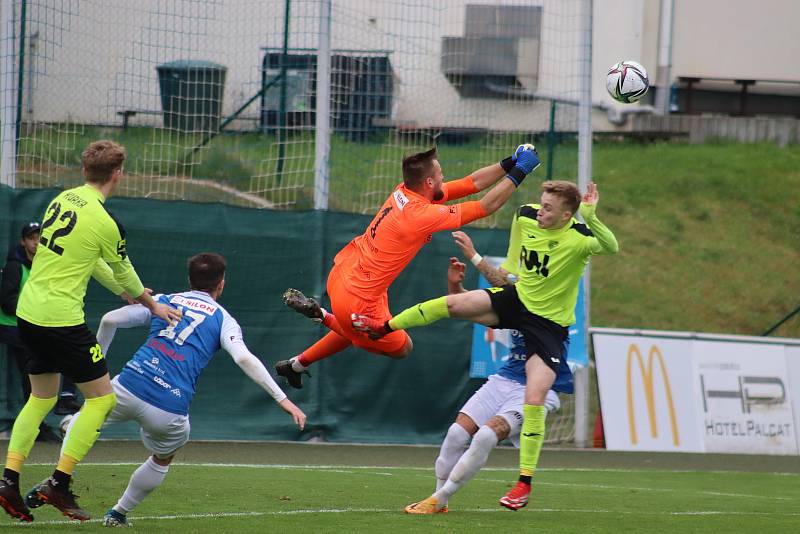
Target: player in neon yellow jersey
point(80, 238)
point(548, 251)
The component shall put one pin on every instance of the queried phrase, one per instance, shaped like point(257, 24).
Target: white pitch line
point(173, 517)
point(416, 468)
point(357, 469)
point(634, 488)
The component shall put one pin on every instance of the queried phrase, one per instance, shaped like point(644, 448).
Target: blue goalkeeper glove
point(509, 162)
point(527, 161)
point(522, 148)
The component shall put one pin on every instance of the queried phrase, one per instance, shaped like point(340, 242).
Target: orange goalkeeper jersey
point(370, 262)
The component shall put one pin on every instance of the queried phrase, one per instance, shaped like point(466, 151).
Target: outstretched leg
point(294, 368)
point(475, 306)
point(144, 480)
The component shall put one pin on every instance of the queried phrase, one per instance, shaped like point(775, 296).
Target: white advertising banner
point(683, 391)
point(646, 393)
point(744, 398)
point(793, 368)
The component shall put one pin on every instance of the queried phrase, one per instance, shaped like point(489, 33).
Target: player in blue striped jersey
point(156, 386)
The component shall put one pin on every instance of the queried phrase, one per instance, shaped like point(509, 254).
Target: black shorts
point(70, 350)
point(542, 336)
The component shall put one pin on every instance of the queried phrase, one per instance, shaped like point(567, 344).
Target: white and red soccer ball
point(627, 81)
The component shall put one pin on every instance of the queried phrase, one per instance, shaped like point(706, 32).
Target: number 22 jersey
point(77, 231)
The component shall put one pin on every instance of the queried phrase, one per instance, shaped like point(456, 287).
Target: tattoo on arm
point(497, 276)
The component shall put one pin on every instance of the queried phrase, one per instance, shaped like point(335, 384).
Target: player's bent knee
point(99, 387)
point(163, 459)
point(404, 352)
point(500, 426)
point(458, 305)
point(467, 423)
point(485, 438)
point(468, 305)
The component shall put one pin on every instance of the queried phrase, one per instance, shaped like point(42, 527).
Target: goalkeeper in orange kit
point(365, 268)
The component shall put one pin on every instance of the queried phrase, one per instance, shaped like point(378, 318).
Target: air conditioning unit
point(498, 54)
point(490, 67)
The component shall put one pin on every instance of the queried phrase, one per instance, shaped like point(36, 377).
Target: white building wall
point(95, 58)
point(737, 39)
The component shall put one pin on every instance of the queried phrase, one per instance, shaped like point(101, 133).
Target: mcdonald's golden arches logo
point(646, 373)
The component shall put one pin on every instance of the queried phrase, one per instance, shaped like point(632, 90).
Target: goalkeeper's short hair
point(417, 167)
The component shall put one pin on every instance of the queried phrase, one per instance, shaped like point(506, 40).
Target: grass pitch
point(274, 487)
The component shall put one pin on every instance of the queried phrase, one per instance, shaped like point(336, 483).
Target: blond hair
point(567, 191)
point(101, 159)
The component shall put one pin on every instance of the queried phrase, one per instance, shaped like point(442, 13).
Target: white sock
point(470, 463)
point(455, 443)
point(296, 365)
point(144, 480)
point(551, 402)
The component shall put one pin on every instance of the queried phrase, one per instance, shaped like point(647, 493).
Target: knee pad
point(457, 436)
point(485, 438)
point(455, 443)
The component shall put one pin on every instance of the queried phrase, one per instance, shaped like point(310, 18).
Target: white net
point(561, 424)
point(216, 100)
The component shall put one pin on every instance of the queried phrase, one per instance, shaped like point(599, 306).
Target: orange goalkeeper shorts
point(343, 304)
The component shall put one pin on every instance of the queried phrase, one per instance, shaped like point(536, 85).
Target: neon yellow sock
point(14, 461)
point(86, 429)
point(531, 438)
point(25, 430)
point(421, 314)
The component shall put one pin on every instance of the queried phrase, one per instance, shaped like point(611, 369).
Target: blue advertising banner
point(491, 347)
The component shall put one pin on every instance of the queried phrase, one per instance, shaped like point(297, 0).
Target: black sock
point(61, 479)
point(525, 479)
point(11, 475)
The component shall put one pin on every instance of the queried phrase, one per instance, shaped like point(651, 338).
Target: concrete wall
point(737, 39)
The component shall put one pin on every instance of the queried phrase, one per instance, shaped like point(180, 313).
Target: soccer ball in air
point(627, 81)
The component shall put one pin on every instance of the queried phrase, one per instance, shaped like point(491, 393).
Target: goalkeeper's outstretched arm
point(487, 176)
point(527, 160)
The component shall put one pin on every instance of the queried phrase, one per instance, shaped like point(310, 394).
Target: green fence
point(354, 396)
